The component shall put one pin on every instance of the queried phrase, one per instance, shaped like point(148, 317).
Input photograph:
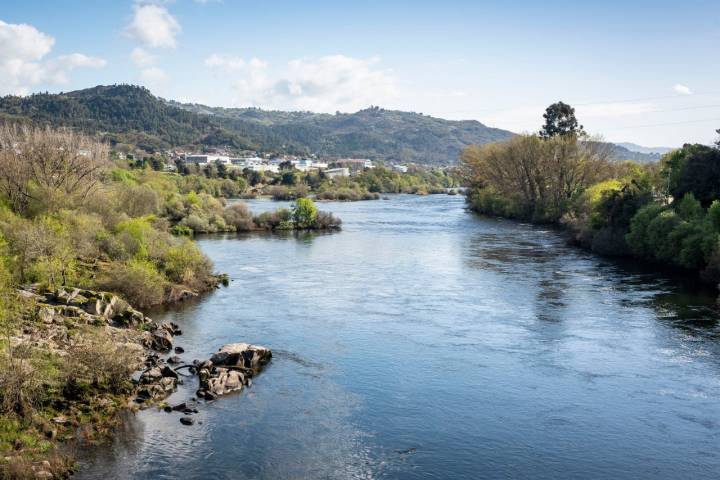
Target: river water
point(423, 341)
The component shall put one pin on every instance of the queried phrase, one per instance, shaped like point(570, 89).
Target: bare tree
point(538, 176)
point(48, 167)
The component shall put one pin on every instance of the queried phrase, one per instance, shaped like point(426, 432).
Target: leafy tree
point(560, 120)
point(304, 213)
point(699, 174)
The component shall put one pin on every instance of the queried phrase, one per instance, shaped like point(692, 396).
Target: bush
point(304, 213)
point(102, 363)
point(277, 220)
point(137, 281)
point(327, 221)
point(196, 223)
point(239, 216)
point(186, 264)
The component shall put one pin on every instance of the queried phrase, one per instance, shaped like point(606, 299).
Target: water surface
point(425, 342)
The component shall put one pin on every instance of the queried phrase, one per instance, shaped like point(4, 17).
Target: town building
point(337, 172)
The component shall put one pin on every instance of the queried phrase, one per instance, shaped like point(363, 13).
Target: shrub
point(327, 221)
point(137, 281)
point(185, 263)
point(279, 219)
point(239, 216)
point(196, 223)
point(304, 213)
point(102, 363)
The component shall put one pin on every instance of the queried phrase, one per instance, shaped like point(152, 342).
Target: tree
point(222, 170)
point(52, 168)
point(560, 120)
point(304, 213)
point(696, 170)
point(536, 178)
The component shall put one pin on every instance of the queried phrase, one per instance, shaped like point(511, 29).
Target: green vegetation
point(667, 213)
point(70, 218)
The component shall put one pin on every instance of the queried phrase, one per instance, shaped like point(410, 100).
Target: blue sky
point(638, 71)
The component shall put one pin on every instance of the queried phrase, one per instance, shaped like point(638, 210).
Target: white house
point(356, 163)
point(400, 168)
point(337, 172)
point(202, 159)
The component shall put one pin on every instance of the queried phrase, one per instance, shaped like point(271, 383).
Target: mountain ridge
point(129, 114)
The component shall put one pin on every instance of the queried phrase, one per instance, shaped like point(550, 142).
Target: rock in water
point(187, 420)
point(242, 355)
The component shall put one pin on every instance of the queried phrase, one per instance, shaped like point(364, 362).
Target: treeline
point(290, 183)
point(667, 213)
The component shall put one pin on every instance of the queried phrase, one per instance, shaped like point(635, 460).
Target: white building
point(337, 172)
point(356, 163)
point(247, 162)
point(400, 168)
point(202, 159)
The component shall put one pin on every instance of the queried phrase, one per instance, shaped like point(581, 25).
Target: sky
point(639, 71)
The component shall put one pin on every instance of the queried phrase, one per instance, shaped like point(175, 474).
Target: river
point(425, 342)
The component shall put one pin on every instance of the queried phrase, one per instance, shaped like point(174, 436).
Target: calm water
point(425, 342)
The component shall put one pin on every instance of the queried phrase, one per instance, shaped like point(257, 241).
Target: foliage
point(304, 213)
point(560, 120)
point(535, 179)
point(138, 281)
point(694, 169)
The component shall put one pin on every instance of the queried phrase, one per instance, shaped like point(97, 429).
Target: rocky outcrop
point(230, 369)
point(79, 306)
point(241, 355)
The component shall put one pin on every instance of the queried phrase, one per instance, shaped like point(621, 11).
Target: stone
point(180, 407)
point(242, 355)
point(169, 372)
point(174, 360)
point(151, 376)
point(161, 340)
point(179, 350)
point(187, 420)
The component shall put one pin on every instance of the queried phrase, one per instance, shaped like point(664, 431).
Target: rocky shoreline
point(62, 322)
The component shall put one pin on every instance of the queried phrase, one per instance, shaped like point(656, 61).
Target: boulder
point(242, 355)
point(224, 381)
point(152, 375)
point(187, 420)
point(169, 372)
point(161, 340)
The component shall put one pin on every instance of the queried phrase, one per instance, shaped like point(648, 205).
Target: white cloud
point(324, 84)
point(22, 65)
point(153, 26)
point(682, 89)
point(224, 61)
point(142, 58)
point(153, 77)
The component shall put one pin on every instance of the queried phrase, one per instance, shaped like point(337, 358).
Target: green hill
point(132, 115)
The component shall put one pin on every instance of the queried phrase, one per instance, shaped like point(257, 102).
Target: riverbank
point(67, 374)
point(80, 359)
point(662, 214)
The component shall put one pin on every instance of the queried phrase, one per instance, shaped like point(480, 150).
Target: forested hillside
point(128, 114)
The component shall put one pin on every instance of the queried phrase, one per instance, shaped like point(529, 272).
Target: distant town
point(331, 168)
